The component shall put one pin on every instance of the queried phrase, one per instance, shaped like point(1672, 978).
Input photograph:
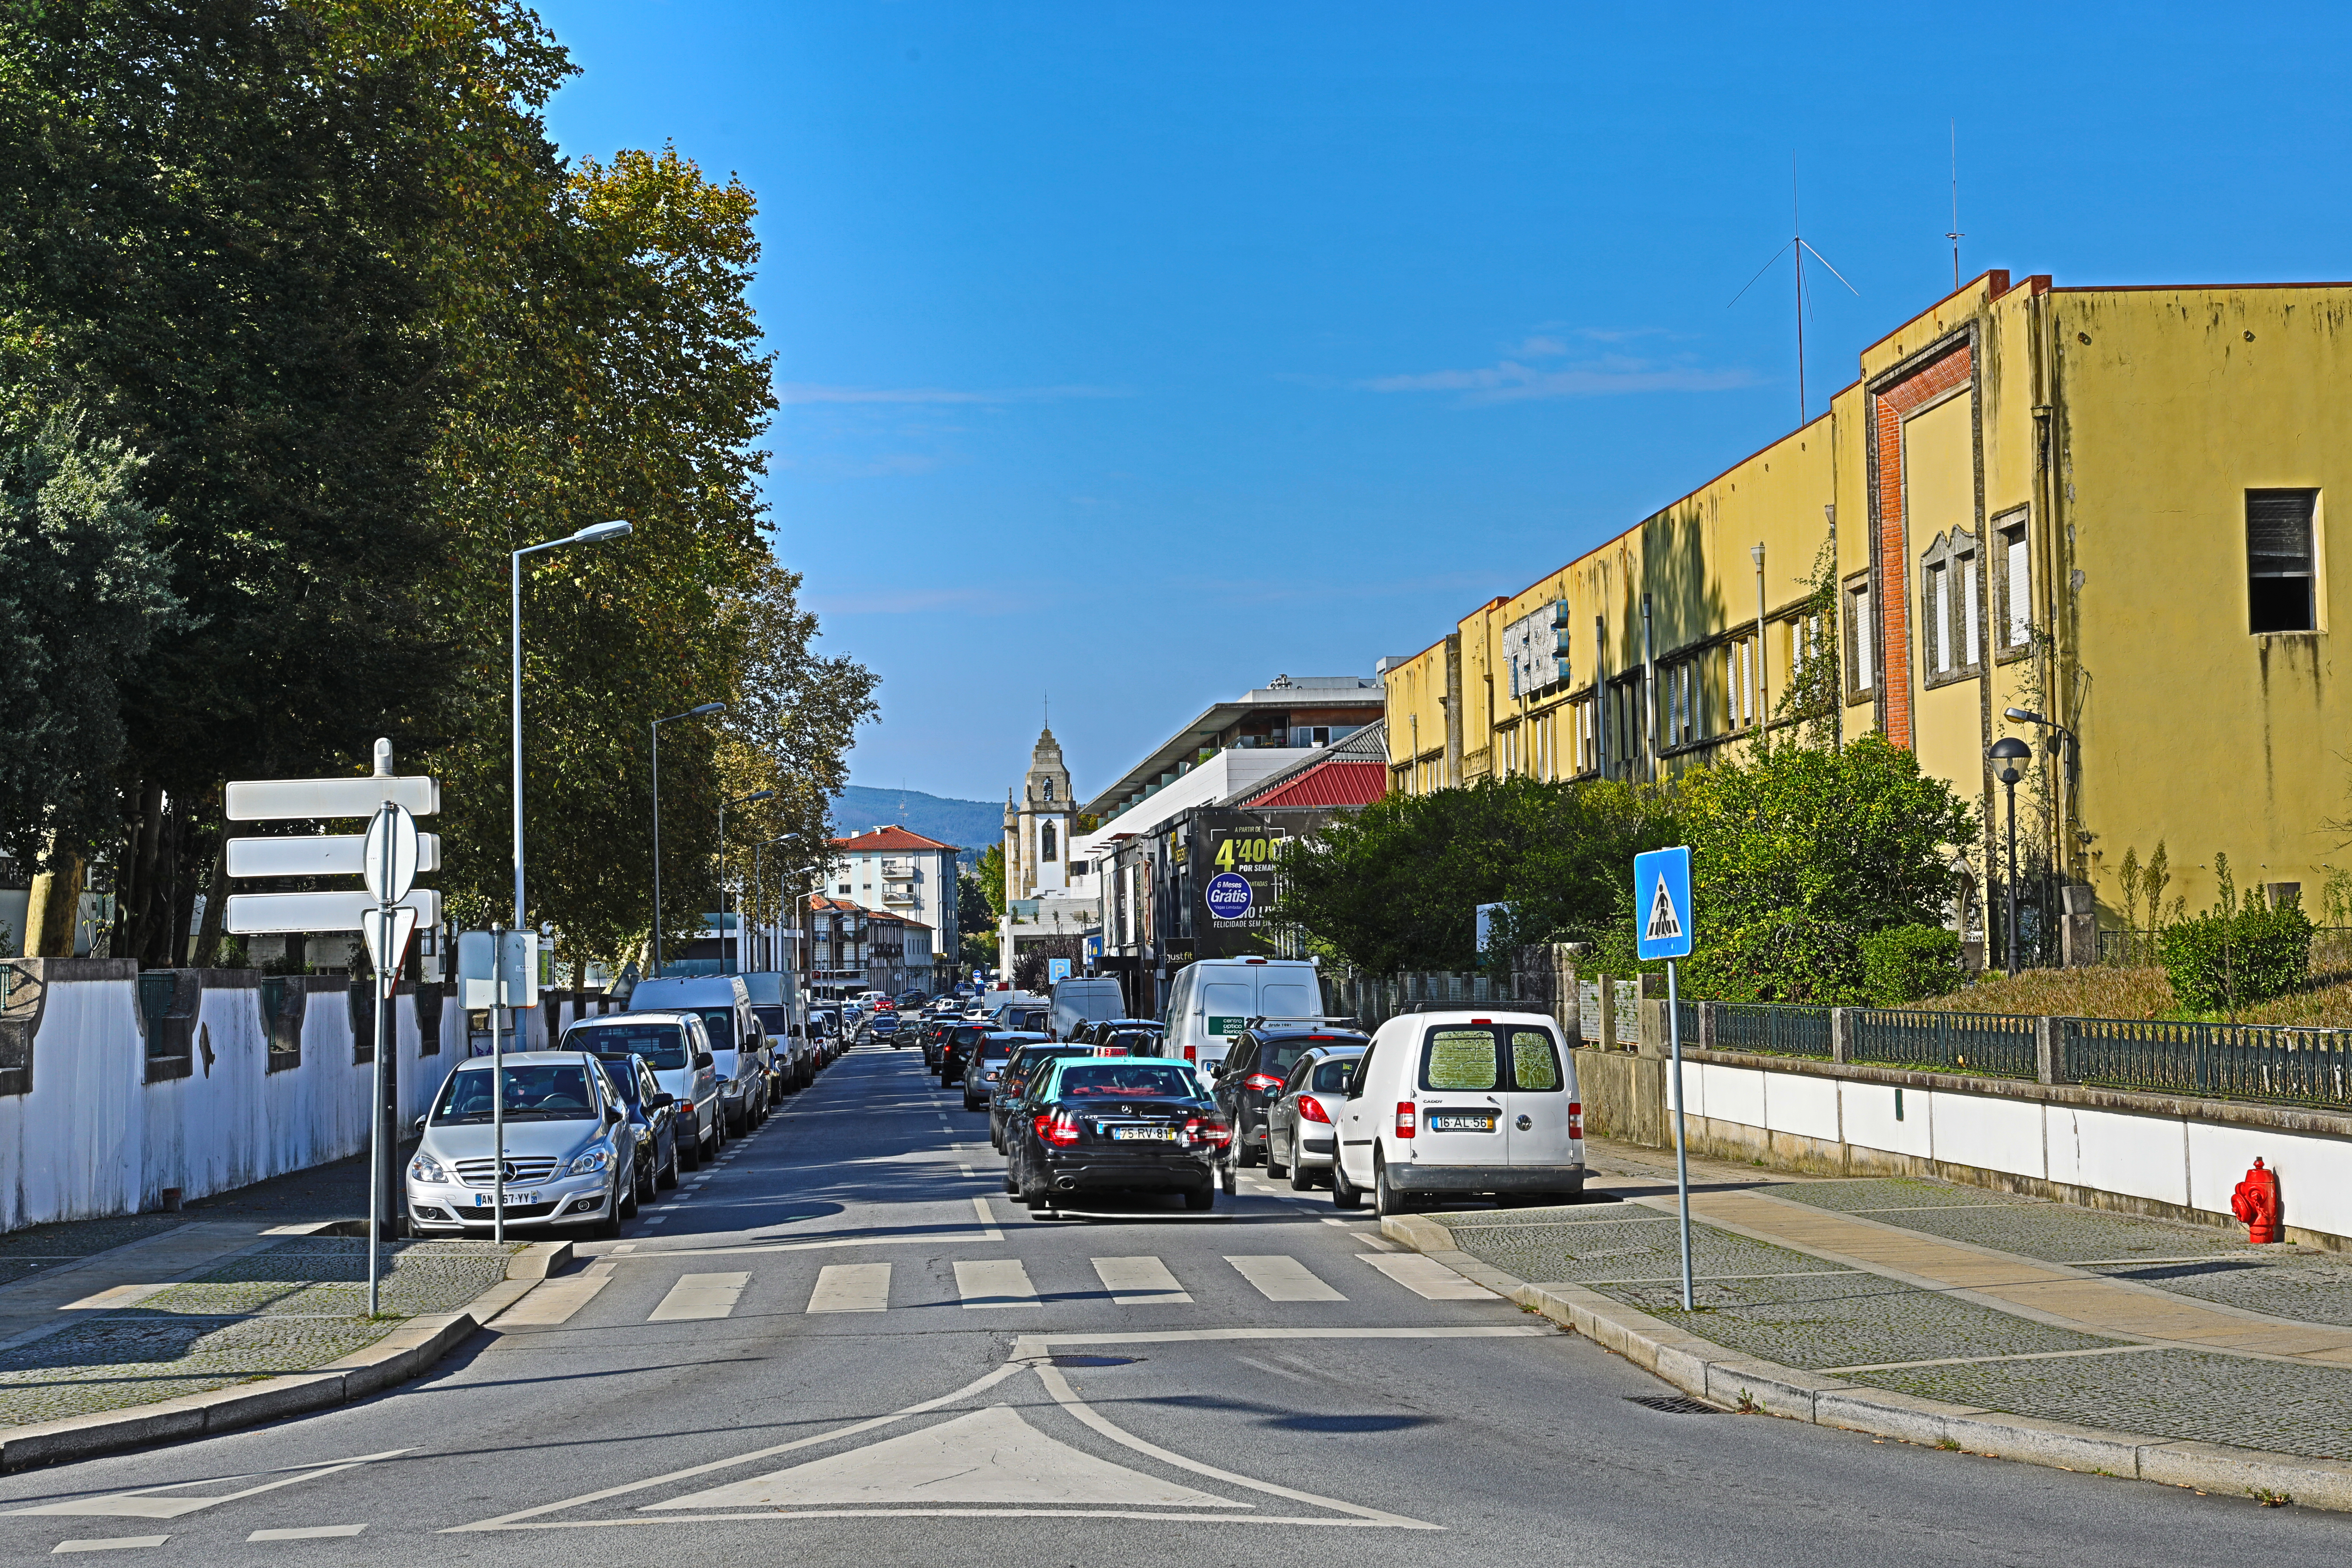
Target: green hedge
point(2221, 960)
point(1903, 964)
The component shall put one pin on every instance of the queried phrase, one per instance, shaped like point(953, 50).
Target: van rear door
point(1225, 1006)
point(1536, 1106)
point(1280, 996)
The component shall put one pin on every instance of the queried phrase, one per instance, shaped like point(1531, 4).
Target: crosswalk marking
point(1281, 1278)
point(1426, 1276)
point(998, 1283)
point(109, 1544)
point(1140, 1281)
point(852, 1288)
point(556, 1301)
point(314, 1532)
point(699, 1296)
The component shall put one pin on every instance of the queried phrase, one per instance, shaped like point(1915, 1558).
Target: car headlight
point(591, 1162)
point(425, 1168)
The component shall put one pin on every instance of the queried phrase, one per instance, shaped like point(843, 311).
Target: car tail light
point(1201, 1132)
point(1481, 1020)
point(1263, 1082)
point(1060, 1130)
point(1311, 1109)
point(1408, 1119)
point(1190, 1056)
point(1576, 1121)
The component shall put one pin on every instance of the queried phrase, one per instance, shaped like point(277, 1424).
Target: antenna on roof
point(1956, 235)
point(1797, 243)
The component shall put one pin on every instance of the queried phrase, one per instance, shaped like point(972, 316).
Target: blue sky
point(1137, 353)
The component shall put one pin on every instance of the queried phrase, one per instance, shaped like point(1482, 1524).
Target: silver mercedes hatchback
point(570, 1157)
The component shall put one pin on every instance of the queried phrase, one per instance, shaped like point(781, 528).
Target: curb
point(407, 1351)
point(1737, 1382)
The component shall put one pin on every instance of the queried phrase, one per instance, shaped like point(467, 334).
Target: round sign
point(1229, 895)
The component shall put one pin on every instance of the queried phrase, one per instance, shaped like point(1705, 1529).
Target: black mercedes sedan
point(1117, 1124)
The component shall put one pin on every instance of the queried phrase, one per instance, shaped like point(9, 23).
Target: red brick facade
point(1888, 410)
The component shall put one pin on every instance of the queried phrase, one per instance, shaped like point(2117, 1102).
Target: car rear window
point(1126, 1080)
point(621, 1072)
point(1474, 1057)
point(994, 1050)
point(662, 1045)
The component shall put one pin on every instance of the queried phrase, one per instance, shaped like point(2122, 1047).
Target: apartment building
point(901, 873)
point(2104, 506)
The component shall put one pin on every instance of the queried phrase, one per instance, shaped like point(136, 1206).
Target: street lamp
point(654, 729)
point(595, 533)
point(2006, 754)
point(758, 853)
point(723, 804)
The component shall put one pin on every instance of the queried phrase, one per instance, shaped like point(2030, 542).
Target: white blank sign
point(317, 855)
point(271, 800)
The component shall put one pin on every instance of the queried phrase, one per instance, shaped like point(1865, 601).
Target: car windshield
point(1122, 1081)
point(661, 1044)
point(719, 1023)
point(1331, 1077)
point(994, 1050)
point(554, 1092)
point(622, 1073)
point(773, 1020)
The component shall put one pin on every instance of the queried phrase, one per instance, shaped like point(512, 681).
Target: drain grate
point(1672, 1404)
point(1094, 1360)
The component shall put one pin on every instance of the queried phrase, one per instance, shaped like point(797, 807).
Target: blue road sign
point(1662, 903)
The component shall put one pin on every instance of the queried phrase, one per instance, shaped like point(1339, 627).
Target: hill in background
point(973, 824)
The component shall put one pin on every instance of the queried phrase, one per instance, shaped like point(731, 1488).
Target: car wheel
point(641, 1192)
point(1345, 1194)
point(1248, 1157)
point(665, 1178)
point(1228, 1178)
point(1274, 1169)
point(609, 1228)
point(1300, 1179)
point(626, 1208)
point(1205, 1198)
point(1386, 1198)
point(686, 1153)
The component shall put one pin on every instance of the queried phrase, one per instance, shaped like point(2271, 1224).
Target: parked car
point(985, 1063)
point(678, 1050)
point(1211, 1001)
point(1025, 1059)
point(570, 1148)
point(1089, 1125)
point(738, 1042)
point(655, 1111)
point(952, 1049)
point(1253, 1072)
point(1302, 1125)
point(1082, 998)
point(1458, 1104)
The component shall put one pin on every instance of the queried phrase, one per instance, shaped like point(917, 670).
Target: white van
point(737, 1040)
point(1461, 1103)
point(1082, 999)
point(1211, 1001)
point(791, 1054)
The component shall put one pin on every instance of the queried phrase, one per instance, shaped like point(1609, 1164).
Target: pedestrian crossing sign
point(1662, 903)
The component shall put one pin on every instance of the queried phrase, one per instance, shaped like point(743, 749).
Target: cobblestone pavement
point(26, 1254)
point(291, 1307)
point(2220, 1266)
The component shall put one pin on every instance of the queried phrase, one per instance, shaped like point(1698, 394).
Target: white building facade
point(897, 872)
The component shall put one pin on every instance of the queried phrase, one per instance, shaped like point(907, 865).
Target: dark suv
point(1250, 1078)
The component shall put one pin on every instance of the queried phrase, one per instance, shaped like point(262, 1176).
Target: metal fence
point(1373, 999)
point(1770, 1030)
point(2227, 1061)
point(2001, 1044)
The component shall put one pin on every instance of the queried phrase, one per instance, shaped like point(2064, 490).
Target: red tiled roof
point(897, 839)
point(1338, 782)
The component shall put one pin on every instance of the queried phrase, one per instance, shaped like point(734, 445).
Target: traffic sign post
point(498, 969)
point(1662, 910)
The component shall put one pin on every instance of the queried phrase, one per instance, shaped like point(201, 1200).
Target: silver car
point(1301, 1123)
point(571, 1148)
point(675, 1047)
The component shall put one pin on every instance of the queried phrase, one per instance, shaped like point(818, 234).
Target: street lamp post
point(655, 729)
point(758, 856)
point(2006, 753)
point(723, 804)
point(595, 533)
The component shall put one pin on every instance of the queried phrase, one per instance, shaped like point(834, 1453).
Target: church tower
point(1043, 825)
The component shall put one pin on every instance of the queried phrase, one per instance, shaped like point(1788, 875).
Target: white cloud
point(1512, 380)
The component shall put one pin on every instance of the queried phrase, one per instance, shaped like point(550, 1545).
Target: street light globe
point(597, 532)
point(706, 708)
point(2006, 754)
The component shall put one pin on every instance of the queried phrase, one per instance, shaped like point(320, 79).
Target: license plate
point(1472, 1122)
point(1143, 1135)
point(514, 1199)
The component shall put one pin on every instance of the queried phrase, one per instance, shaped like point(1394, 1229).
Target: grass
point(2138, 993)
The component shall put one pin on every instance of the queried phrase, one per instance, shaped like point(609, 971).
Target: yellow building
point(2105, 506)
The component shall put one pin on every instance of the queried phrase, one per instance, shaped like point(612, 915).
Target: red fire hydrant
point(2256, 1201)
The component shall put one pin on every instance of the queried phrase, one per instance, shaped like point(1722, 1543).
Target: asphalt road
point(848, 1347)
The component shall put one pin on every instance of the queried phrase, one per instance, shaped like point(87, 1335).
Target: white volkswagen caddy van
point(1461, 1103)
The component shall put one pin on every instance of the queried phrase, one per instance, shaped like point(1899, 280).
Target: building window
point(1859, 677)
point(2012, 587)
point(1952, 633)
point(2278, 561)
point(1046, 849)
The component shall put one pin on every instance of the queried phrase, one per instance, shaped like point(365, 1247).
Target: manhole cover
point(1094, 1360)
point(1672, 1404)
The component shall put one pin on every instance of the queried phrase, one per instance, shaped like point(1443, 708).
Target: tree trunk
point(54, 909)
point(134, 904)
point(208, 934)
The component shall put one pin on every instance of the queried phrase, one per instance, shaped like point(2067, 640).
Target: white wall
point(2167, 1159)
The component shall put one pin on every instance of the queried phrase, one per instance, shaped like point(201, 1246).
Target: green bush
point(2223, 960)
point(1909, 963)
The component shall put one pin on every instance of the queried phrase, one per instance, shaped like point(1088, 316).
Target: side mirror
point(662, 1101)
point(703, 1059)
point(613, 1117)
point(417, 1126)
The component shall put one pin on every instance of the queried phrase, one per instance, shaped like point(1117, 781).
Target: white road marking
point(852, 1288)
point(1268, 1366)
point(987, 1219)
point(115, 1296)
point(699, 1296)
point(659, 1219)
point(315, 1532)
point(627, 1247)
point(1281, 1278)
point(1426, 1276)
point(1145, 1281)
point(116, 1543)
point(557, 1300)
point(141, 1502)
point(990, 1456)
point(1000, 1283)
